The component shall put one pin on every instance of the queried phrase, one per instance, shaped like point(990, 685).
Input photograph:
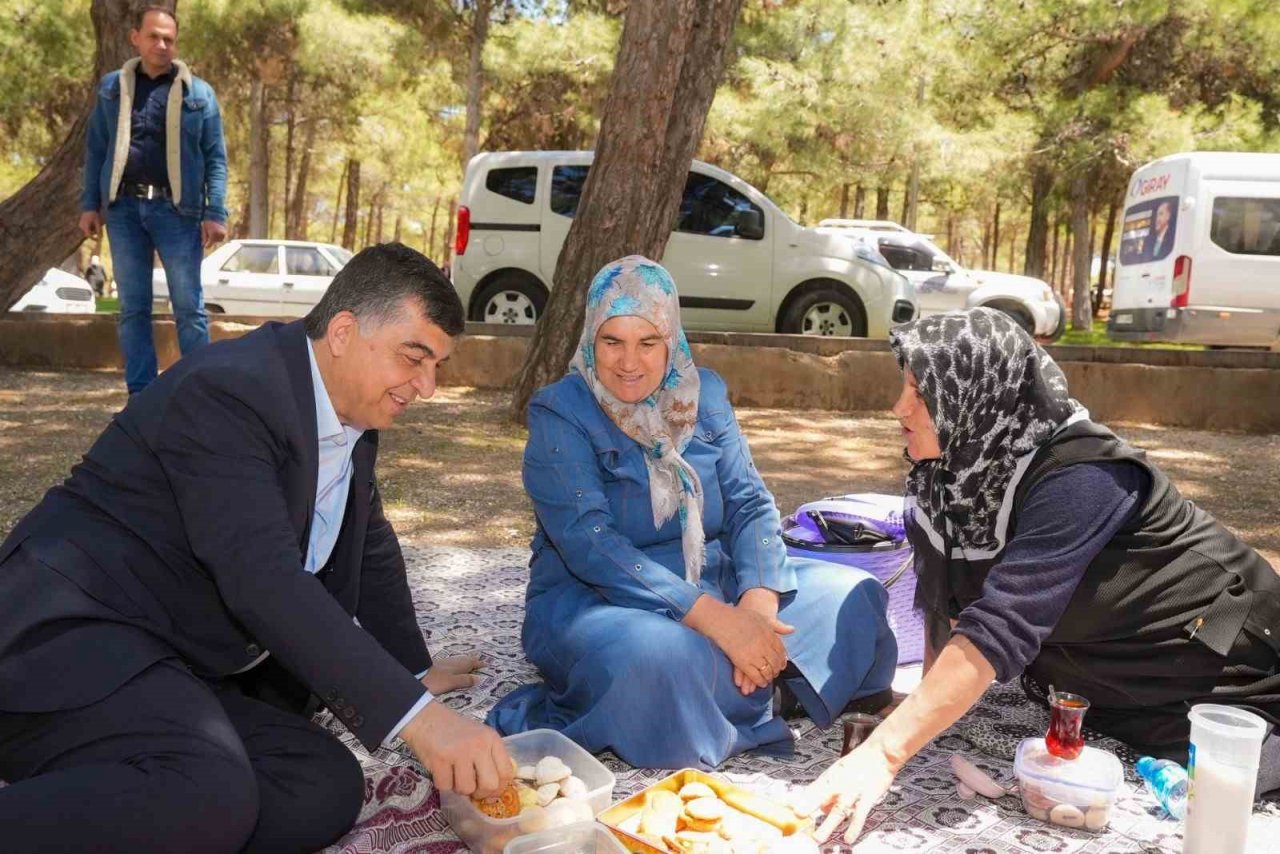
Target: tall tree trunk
point(353, 205)
point(1081, 309)
point(1038, 231)
point(430, 243)
point(1013, 244)
point(844, 200)
point(882, 202)
point(906, 205)
point(337, 204)
point(369, 218)
point(670, 58)
point(995, 239)
point(39, 223)
point(1053, 256)
point(912, 204)
point(291, 124)
point(859, 201)
point(399, 223)
point(259, 158)
point(475, 79)
point(446, 245)
point(1108, 232)
point(296, 229)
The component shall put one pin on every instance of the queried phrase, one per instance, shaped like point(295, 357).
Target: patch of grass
point(108, 304)
point(1097, 337)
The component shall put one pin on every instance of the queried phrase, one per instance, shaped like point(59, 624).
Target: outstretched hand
point(849, 789)
point(453, 673)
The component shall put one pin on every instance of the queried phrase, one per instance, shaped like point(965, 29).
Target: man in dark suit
point(168, 614)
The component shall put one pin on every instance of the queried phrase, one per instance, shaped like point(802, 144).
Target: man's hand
point(750, 639)
point(849, 789)
point(764, 602)
point(91, 224)
point(453, 673)
point(211, 233)
point(462, 755)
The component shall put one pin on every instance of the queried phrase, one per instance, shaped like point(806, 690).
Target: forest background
point(1003, 127)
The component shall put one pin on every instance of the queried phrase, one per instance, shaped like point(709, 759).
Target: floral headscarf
point(663, 422)
point(995, 396)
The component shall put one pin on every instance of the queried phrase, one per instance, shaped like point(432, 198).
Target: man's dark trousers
point(210, 767)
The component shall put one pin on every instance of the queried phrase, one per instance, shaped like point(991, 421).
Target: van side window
point(304, 261)
point(902, 257)
point(1246, 226)
point(253, 259)
point(713, 208)
point(566, 188)
point(518, 183)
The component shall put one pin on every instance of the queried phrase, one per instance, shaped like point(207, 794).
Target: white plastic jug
point(1226, 744)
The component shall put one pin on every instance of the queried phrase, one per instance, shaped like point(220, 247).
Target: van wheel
point(213, 308)
point(510, 298)
point(825, 310)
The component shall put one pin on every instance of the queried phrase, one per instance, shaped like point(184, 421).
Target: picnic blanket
point(472, 599)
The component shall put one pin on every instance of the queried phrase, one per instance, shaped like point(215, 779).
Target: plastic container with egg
point(581, 838)
point(490, 835)
point(1077, 793)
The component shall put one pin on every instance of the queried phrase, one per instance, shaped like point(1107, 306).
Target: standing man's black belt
point(145, 191)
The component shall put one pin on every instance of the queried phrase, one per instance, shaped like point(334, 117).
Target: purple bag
point(864, 530)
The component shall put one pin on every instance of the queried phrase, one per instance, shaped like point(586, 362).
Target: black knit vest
point(1175, 610)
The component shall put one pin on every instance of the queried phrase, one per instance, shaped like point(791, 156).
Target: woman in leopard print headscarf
point(1048, 548)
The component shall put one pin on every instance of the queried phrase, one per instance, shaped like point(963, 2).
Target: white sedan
point(271, 278)
point(943, 285)
point(58, 292)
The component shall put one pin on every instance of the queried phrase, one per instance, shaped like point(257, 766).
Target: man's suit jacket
point(186, 524)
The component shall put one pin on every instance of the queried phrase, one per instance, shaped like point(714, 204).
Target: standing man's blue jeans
point(138, 228)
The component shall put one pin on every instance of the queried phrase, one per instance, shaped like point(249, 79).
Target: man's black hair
point(375, 285)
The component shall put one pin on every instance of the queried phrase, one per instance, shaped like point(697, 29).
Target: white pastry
point(550, 769)
point(547, 793)
point(573, 787)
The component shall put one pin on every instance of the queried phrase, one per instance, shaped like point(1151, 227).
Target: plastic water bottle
point(1166, 780)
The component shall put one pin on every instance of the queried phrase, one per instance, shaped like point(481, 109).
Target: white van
point(740, 263)
point(1199, 257)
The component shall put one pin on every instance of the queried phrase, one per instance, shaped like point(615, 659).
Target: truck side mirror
point(749, 225)
point(941, 266)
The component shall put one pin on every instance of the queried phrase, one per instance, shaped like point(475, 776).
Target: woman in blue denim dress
point(662, 609)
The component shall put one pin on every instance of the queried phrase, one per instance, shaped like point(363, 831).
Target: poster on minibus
point(1148, 230)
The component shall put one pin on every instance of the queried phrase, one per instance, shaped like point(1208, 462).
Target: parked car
point(740, 263)
point(272, 278)
point(1213, 214)
point(58, 292)
point(942, 284)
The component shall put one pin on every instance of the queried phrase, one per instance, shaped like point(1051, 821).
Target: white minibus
point(1199, 257)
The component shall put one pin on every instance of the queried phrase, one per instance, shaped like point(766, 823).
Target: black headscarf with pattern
point(994, 395)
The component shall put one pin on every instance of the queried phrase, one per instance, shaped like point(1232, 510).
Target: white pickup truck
point(943, 285)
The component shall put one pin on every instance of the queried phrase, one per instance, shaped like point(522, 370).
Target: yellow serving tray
point(626, 809)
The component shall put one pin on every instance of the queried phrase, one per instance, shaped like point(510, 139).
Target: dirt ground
point(450, 471)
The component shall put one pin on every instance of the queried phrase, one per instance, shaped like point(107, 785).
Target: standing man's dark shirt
point(147, 163)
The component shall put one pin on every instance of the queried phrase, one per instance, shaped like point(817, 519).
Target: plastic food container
point(585, 837)
point(490, 835)
point(1078, 793)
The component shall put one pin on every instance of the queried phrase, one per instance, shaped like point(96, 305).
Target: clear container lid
point(1093, 769)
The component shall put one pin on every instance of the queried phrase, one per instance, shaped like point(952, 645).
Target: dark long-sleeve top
point(147, 163)
point(1064, 522)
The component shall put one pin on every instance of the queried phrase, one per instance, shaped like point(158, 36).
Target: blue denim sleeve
point(565, 483)
point(95, 152)
point(1065, 521)
point(214, 147)
point(752, 527)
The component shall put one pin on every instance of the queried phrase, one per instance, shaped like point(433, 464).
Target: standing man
point(218, 559)
point(156, 161)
